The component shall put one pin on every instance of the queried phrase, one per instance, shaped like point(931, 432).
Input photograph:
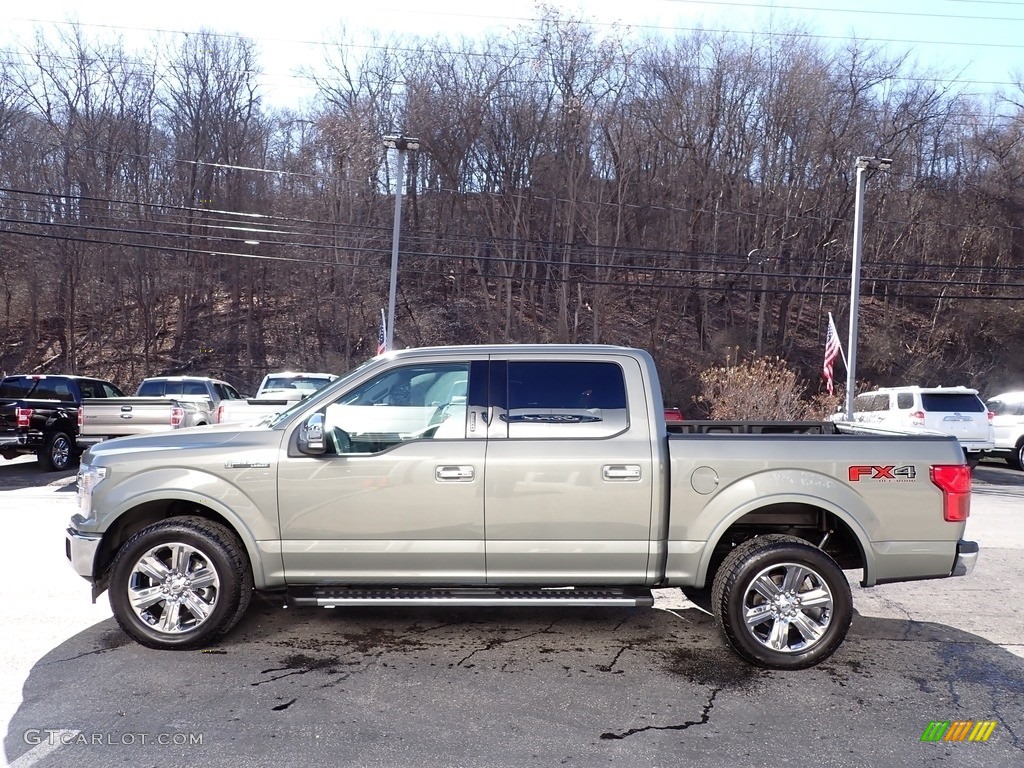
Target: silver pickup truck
point(513, 475)
point(204, 393)
point(105, 418)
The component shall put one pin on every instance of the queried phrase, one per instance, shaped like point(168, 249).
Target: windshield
point(277, 418)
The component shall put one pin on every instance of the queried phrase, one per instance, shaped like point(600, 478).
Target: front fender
point(251, 514)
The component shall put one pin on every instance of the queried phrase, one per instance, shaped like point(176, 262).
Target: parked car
point(39, 414)
point(956, 411)
point(1008, 425)
point(205, 392)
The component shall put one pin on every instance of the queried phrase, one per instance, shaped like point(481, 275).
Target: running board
point(329, 597)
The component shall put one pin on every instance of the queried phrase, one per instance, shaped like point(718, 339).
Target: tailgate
point(118, 417)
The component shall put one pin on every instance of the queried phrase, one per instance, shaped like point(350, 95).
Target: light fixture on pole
point(864, 164)
point(403, 144)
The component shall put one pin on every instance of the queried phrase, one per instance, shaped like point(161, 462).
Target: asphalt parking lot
point(505, 687)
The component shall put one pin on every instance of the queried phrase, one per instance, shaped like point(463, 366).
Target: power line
point(560, 265)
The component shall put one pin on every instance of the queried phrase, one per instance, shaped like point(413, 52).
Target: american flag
point(832, 350)
point(382, 337)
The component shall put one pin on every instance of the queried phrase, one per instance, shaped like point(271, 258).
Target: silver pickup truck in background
point(276, 392)
point(205, 393)
point(106, 418)
point(373, 491)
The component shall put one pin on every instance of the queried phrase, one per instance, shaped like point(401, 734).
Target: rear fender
point(736, 501)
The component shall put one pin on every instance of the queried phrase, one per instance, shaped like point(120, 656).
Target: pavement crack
point(492, 644)
point(281, 707)
point(608, 667)
point(705, 717)
point(78, 656)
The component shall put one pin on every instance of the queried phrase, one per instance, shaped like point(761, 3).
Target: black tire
point(164, 559)
point(763, 565)
point(1016, 459)
point(58, 452)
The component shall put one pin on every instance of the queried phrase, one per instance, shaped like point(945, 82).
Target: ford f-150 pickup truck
point(104, 418)
point(39, 414)
point(505, 475)
point(205, 393)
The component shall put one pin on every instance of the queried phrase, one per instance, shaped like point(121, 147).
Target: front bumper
point(966, 558)
point(81, 550)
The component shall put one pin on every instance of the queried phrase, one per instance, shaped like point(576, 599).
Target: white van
point(956, 411)
point(1008, 424)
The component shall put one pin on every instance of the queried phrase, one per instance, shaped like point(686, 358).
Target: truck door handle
point(458, 474)
point(622, 472)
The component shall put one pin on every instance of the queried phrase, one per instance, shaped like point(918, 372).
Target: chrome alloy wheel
point(787, 607)
point(173, 588)
point(60, 452)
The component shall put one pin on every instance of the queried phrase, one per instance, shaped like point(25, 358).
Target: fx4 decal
point(863, 471)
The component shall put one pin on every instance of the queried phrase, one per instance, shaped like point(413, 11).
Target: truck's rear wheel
point(180, 583)
point(58, 452)
point(781, 603)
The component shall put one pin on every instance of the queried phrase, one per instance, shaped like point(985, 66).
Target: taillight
point(954, 480)
point(81, 417)
point(220, 413)
point(917, 418)
point(177, 415)
point(23, 415)
point(991, 416)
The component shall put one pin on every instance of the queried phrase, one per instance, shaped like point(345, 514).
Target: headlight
point(88, 477)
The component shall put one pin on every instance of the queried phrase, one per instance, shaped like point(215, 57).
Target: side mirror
point(311, 436)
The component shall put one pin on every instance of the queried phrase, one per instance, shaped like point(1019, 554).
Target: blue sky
point(980, 41)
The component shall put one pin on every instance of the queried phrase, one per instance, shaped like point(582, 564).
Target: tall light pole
point(403, 144)
point(864, 164)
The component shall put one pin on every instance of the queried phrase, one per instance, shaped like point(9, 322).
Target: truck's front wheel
point(180, 583)
point(781, 603)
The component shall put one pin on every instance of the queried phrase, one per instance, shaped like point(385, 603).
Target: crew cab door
point(569, 488)
point(398, 496)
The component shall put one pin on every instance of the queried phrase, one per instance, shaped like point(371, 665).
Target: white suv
point(956, 411)
point(1008, 423)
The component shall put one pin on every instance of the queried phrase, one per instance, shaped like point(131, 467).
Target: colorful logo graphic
point(958, 730)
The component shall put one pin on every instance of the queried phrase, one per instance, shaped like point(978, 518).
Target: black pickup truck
point(39, 414)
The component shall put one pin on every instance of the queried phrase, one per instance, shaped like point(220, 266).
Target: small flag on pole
point(832, 350)
point(382, 337)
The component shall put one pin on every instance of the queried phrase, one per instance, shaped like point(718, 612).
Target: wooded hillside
point(690, 195)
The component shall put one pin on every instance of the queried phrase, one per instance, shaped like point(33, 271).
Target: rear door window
point(565, 399)
point(152, 388)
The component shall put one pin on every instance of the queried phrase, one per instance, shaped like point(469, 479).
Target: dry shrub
point(759, 389)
